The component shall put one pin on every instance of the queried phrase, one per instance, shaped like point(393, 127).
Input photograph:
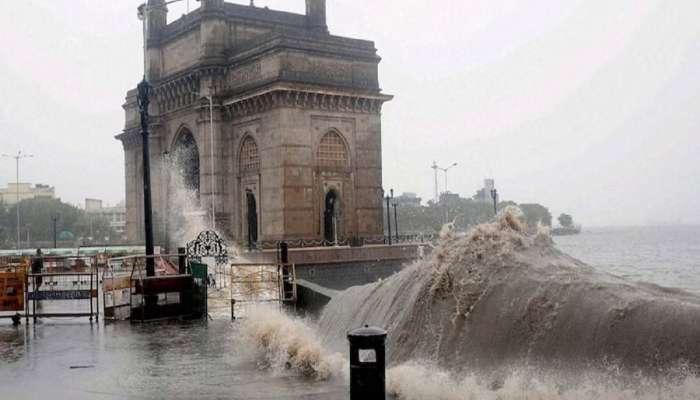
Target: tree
point(5, 232)
point(37, 222)
point(536, 213)
point(566, 220)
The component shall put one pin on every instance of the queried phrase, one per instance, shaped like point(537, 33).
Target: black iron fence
point(352, 242)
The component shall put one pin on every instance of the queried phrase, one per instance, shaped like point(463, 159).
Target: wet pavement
point(72, 359)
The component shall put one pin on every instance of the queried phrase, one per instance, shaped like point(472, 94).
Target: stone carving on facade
point(244, 75)
point(305, 99)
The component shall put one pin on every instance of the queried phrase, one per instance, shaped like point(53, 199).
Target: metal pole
point(144, 89)
point(388, 213)
point(211, 149)
point(34, 299)
point(17, 157)
point(396, 223)
point(54, 231)
point(17, 206)
point(97, 293)
point(90, 297)
point(435, 169)
point(388, 218)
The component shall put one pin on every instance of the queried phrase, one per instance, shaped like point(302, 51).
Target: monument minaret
point(316, 15)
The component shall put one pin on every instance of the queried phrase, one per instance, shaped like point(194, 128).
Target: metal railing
point(344, 242)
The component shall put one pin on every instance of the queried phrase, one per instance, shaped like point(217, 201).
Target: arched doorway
point(252, 219)
point(329, 217)
point(249, 184)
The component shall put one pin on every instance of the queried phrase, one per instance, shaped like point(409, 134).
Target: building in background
point(449, 198)
point(9, 195)
point(408, 199)
point(116, 215)
point(484, 194)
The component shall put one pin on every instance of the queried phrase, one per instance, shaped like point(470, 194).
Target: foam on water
point(417, 381)
point(186, 218)
point(283, 343)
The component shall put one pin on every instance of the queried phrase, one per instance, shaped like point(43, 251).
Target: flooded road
point(174, 360)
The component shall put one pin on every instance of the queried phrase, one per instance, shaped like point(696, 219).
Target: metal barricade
point(262, 283)
point(63, 279)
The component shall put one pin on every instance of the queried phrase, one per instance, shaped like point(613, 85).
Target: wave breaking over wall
point(496, 298)
point(282, 343)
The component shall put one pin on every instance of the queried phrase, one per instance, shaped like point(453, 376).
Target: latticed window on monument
point(332, 151)
point(250, 159)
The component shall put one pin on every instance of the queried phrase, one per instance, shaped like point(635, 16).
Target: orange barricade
point(12, 290)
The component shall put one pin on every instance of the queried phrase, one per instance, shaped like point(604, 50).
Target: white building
point(408, 199)
point(25, 191)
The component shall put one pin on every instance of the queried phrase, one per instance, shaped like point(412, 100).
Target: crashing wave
point(497, 296)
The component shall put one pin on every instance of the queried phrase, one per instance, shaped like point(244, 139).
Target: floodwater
point(72, 359)
point(176, 360)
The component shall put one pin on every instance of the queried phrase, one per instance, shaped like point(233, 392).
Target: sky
point(588, 107)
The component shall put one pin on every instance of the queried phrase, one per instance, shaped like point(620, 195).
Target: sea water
point(71, 359)
point(665, 255)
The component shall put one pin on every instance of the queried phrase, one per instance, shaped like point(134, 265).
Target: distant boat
point(565, 231)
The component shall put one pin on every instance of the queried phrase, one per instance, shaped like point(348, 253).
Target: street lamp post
point(445, 170)
point(17, 158)
point(396, 220)
point(144, 91)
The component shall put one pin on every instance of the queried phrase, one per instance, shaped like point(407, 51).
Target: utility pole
point(17, 158)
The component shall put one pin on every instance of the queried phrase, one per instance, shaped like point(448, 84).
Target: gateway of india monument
point(290, 145)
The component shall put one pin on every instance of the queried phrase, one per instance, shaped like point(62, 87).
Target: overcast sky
point(589, 107)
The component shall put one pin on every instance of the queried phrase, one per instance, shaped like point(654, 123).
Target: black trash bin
point(367, 363)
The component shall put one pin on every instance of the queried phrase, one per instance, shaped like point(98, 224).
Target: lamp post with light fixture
point(19, 156)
